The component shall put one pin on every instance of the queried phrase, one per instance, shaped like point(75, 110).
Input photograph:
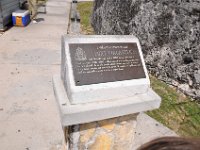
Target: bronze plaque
point(105, 62)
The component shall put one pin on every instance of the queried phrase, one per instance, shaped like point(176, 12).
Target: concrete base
point(111, 134)
point(84, 113)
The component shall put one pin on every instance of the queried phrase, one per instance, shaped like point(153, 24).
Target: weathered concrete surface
point(169, 32)
point(94, 111)
point(29, 57)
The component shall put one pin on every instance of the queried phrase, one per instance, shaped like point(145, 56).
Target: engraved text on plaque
point(105, 62)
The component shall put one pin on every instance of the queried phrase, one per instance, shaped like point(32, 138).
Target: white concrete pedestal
point(104, 125)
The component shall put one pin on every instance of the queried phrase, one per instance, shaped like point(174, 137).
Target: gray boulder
point(169, 32)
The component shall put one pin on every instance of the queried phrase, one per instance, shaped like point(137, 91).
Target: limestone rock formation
point(169, 32)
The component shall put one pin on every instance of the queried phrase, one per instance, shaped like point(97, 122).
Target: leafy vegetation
point(177, 111)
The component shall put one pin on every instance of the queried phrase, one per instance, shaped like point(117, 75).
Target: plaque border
point(73, 39)
point(126, 43)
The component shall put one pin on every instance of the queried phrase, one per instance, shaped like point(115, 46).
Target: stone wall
point(169, 32)
point(111, 134)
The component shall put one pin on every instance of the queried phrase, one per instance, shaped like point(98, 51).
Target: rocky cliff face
point(169, 32)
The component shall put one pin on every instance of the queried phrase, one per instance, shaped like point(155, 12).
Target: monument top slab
point(102, 67)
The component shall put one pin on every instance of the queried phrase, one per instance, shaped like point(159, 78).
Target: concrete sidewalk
point(29, 57)
point(148, 129)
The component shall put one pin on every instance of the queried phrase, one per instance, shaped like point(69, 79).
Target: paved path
point(29, 57)
point(148, 129)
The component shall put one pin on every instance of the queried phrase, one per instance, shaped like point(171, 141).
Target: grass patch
point(85, 10)
point(177, 111)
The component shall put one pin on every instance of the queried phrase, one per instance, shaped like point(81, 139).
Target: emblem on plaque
point(80, 54)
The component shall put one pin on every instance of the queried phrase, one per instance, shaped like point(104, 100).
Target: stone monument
point(103, 85)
